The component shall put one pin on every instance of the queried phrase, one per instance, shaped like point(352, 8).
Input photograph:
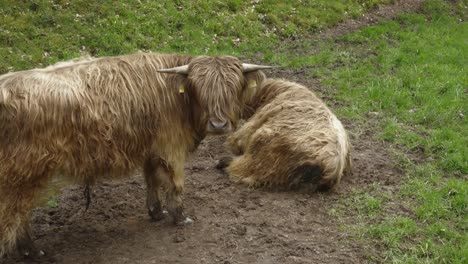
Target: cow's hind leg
point(15, 212)
point(153, 171)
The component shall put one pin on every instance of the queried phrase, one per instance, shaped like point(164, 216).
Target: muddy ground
point(233, 224)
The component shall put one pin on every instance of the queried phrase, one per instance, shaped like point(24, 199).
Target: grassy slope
point(35, 33)
point(412, 74)
point(409, 72)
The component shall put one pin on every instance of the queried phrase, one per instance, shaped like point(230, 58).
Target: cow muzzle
point(217, 126)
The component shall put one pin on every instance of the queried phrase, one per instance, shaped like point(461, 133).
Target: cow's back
point(87, 117)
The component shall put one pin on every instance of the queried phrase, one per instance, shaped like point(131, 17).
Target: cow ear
point(178, 82)
point(253, 81)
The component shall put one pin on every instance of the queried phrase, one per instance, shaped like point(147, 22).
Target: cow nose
point(218, 125)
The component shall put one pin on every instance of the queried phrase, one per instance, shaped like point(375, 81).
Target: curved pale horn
point(253, 67)
point(180, 70)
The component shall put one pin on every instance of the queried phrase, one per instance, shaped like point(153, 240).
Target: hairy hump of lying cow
point(98, 118)
point(291, 138)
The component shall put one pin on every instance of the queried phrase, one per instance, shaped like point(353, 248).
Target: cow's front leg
point(153, 172)
point(174, 196)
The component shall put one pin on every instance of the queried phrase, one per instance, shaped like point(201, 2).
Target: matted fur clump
point(291, 138)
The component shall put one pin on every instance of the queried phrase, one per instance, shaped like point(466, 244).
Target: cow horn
point(180, 70)
point(253, 67)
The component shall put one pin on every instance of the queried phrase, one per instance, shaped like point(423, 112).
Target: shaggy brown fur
point(291, 138)
point(93, 119)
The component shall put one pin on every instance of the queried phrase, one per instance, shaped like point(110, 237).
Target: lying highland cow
point(101, 118)
point(290, 138)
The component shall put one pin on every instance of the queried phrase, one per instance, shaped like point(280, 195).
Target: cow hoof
point(39, 253)
point(27, 250)
point(157, 215)
point(33, 254)
point(187, 221)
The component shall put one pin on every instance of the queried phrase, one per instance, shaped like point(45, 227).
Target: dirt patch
point(233, 224)
point(371, 18)
point(380, 12)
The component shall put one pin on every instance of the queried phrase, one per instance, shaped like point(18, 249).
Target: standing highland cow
point(101, 118)
point(291, 138)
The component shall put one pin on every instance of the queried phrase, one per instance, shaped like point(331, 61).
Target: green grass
point(410, 73)
point(38, 33)
point(53, 201)
point(420, 88)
